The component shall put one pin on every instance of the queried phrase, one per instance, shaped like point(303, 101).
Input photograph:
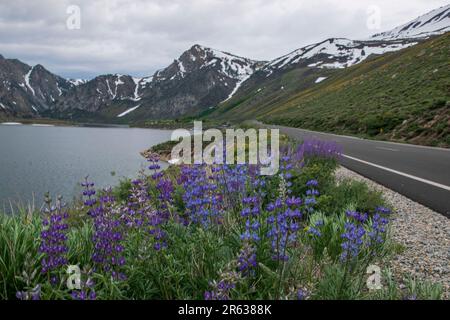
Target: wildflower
point(353, 240)
point(315, 230)
point(108, 235)
point(202, 197)
point(88, 192)
point(301, 294)
point(53, 236)
point(221, 290)
point(83, 295)
point(86, 291)
point(312, 183)
point(357, 216)
point(32, 294)
point(382, 210)
point(317, 148)
point(377, 230)
point(154, 165)
point(247, 259)
point(166, 189)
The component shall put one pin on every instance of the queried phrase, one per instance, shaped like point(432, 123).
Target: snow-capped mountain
point(77, 82)
point(334, 53)
point(200, 78)
point(99, 92)
point(342, 53)
point(433, 23)
point(28, 90)
point(232, 70)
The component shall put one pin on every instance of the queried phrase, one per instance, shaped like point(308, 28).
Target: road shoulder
point(424, 233)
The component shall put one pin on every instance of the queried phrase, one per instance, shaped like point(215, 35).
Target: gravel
point(424, 233)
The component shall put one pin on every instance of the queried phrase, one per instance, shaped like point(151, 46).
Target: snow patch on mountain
point(432, 23)
point(236, 88)
point(320, 79)
point(335, 53)
point(128, 111)
point(77, 82)
point(229, 65)
point(136, 89)
point(144, 81)
point(232, 66)
point(27, 80)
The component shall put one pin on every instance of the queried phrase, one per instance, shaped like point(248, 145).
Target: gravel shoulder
point(424, 233)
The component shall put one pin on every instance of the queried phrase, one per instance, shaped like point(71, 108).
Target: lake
point(36, 159)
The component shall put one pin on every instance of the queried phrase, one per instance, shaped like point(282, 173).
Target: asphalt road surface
point(417, 172)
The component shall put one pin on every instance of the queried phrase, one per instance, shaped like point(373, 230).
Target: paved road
point(420, 173)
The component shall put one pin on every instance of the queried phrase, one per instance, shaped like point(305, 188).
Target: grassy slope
point(401, 96)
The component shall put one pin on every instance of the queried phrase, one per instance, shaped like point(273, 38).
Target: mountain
point(334, 53)
point(348, 86)
point(199, 79)
point(26, 91)
point(303, 69)
point(433, 23)
point(98, 93)
point(208, 82)
point(402, 96)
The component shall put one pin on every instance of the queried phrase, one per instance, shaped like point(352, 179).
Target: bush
point(349, 192)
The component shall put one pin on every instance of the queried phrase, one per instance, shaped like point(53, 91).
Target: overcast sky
point(138, 37)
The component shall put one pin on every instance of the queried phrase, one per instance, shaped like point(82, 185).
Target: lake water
point(36, 159)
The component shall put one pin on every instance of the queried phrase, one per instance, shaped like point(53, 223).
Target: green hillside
point(402, 96)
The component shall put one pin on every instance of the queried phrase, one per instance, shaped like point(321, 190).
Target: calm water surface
point(34, 159)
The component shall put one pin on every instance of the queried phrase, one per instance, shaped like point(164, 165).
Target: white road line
point(388, 149)
point(435, 184)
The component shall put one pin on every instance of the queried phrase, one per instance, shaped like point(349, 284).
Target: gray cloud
point(141, 36)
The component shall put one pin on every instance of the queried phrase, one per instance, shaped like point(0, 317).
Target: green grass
point(198, 256)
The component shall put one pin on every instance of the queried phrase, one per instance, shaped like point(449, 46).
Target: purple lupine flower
point(378, 230)
point(283, 227)
point(317, 148)
point(83, 295)
point(154, 165)
point(108, 234)
point(315, 230)
point(246, 262)
point(301, 294)
point(86, 291)
point(53, 236)
point(353, 240)
point(383, 210)
point(221, 290)
point(88, 193)
point(32, 294)
point(312, 183)
point(204, 202)
point(166, 189)
point(251, 231)
point(357, 216)
point(139, 213)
